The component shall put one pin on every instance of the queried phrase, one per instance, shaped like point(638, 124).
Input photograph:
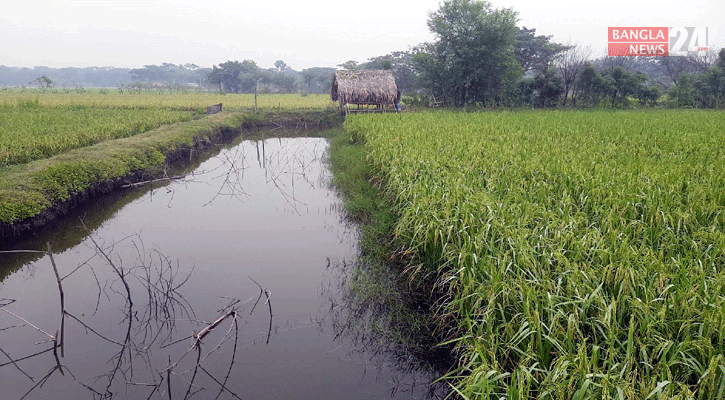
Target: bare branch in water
point(267, 293)
point(149, 325)
point(16, 365)
point(143, 183)
point(62, 306)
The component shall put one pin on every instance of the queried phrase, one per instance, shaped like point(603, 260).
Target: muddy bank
point(41, 192)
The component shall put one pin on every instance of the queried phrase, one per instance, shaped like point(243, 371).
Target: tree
point(648, 94)
point(349, 65)
point(401, 63)
point(285, 83)
point(44, 82)
point(266, 78)
point(215, 77)
point(473, 56)
point(543, 90)
point(536, 52)
point(548, 87)
point(591, 86)
point(570, 65)
point(624, 84)
point(610, 63)
point(673, 67)
point(235, 76)
point(683, 94)
point(702, 62)
point(280, 65)
point(149, 73)
point(705, 90)
point(616, 85)
point(308, 77)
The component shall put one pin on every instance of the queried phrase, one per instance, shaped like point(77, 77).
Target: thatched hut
point(365, 87)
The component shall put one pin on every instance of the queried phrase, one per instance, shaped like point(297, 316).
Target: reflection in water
point(169, 262)
point(68, 232)
point(158, 337)
point(367, 305)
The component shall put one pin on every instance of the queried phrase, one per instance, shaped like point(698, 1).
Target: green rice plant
point(191, 101)
point(583, 253)
point(32, 131)
point(36, 125)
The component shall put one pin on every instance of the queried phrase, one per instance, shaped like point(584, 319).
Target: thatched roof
point(364, 87)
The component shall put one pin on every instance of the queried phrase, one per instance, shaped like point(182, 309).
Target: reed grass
point(582, 253)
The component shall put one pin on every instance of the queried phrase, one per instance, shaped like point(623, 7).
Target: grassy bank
point(578, 254)
point(27, 190)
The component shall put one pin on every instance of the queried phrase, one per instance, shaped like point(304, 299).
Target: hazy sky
point(303, 33)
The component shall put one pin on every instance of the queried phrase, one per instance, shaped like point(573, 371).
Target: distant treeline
point(228, 77)
point(70, 77)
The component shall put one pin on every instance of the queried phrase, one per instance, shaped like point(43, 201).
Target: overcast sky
point(303, 33)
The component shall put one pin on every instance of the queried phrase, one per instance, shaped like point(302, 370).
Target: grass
point(580, 254)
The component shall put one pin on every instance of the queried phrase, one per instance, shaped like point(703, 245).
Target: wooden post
point(255, 96)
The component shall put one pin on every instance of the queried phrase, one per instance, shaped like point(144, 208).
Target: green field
point(31, 132)
point(582, 253)
point(178, 101)
point(36, 125)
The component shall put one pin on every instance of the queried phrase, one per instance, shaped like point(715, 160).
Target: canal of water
point(252, 237)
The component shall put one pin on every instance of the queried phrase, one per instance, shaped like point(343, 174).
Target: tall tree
point(673, 67)
point(401, 63)
point(235, 76)
point(548, 86)
point(702, 62)
point(536, 53)
point(349, 65)
point(44, 82)
point(280, 65)
point(570, 65)
point(317, 79)
point(591, 87)
point(473, 56)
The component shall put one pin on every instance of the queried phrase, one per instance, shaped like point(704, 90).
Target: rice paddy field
point(36, 125)
point(582, 253)
point(164, 100)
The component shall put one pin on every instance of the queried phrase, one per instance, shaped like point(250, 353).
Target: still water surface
point(253, 232)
